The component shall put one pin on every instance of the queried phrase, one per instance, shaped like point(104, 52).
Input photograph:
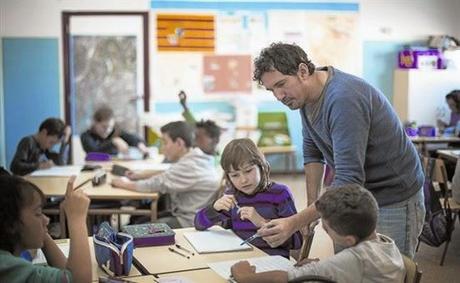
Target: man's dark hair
point(53, 127)
point(103, 113)
point(349, 210)
point(211, 129)
point(180, 129)
point(282, 57)
point(17, 193)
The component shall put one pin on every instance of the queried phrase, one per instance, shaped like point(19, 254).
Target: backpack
point(438, 225)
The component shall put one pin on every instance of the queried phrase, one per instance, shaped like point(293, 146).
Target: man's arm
point(314, 173)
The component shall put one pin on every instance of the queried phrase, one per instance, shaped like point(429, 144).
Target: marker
point(184, 249)
point(177, 252)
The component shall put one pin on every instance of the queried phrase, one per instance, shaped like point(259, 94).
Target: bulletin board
point(329, 33)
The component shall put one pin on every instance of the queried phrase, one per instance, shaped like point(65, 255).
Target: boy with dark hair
point(207, 132)
point(191, 180)
point(34, 151)
point(105, 136)
point(349, 215)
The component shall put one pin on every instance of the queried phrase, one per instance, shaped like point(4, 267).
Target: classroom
point(179, 121)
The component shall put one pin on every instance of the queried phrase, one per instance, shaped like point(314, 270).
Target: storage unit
point(419, 95)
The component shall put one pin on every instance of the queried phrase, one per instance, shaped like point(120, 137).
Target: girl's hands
point(250, 213)
point(226, 202)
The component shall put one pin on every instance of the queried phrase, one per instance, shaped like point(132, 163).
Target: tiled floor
point(427, 257)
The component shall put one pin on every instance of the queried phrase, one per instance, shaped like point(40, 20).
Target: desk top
point(157, 260)
point(322, 248)
point(440, 139)
point(56, 187)
point(449, 154)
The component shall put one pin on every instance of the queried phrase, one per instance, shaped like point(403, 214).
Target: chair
point(275, 138)
point(307, 240)
point(440, 182)
point(413, 274)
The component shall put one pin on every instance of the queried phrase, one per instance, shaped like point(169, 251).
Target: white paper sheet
point(149, 166)
point(58, 171)
point(216, 240)
point(40, 257)
point(265, 263)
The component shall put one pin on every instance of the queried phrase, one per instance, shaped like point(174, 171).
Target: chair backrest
point(413, 274)
point(307, 241)
point(274, 129)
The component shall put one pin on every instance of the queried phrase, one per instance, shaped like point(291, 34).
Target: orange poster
point(227, 73)
point(185, 32)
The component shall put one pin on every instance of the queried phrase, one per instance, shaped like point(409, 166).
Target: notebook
point(216, 240)
point(58, 171)
point(264, 263)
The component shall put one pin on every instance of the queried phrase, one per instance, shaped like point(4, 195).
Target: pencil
point(82, 184)
point(184, 249)
point(177, 252)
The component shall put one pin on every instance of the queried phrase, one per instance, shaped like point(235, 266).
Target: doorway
point(105, 64)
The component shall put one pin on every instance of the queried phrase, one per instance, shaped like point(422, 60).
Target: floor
point(428, 258)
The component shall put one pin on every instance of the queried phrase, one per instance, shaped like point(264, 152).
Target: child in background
point(104, 135)
point(191, 180)
point(453, 101)
point(349, 215)
point(251, 199)
point(23, 226)
point(34, 151)
point(207, 133)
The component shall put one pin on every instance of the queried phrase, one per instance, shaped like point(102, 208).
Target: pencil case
point(113, 250)
point(150, 234)
point(98, 156)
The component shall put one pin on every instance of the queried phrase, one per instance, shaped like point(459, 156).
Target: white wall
point(409, 19)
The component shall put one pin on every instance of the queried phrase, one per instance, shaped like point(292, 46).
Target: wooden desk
point(449, 154)
point(322, 248)
point(56, 187)
point(422, 142)
point(289, 152)
point(159, 260)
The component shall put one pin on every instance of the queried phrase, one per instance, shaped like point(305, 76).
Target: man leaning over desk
point(352, 127)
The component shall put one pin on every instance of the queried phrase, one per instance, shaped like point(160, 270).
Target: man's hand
point(242, 268)
point(250, 213)
point(226, 202)
point(277, 231)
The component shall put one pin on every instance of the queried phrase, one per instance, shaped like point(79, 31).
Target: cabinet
point(418, 95)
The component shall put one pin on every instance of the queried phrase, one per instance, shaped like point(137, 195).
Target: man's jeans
point(403, 222)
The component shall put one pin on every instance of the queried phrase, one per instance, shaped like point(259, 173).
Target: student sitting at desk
point(23, 226)
point(105, 136)
point(207, 132)
point(252, 199)
point(453, 101)
point(192, 179)
point(349, 215)
point(34, 151)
